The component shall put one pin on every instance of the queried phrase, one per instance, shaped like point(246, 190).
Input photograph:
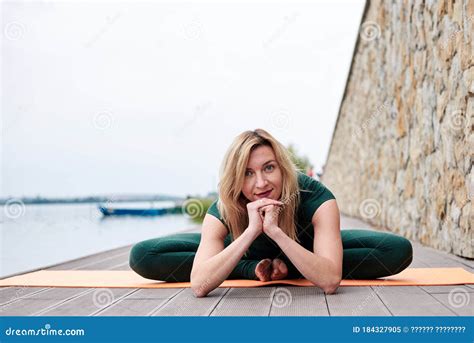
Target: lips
point(265, 194)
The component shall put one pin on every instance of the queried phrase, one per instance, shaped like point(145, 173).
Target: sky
point(145, 97)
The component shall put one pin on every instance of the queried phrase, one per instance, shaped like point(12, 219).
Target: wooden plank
point(446, 263)
point(38, 302)
point(28, 307)
point(302, 306)
point(446, 289)
point(90, 259)
point(107, 263)
point(356, 301)
point(10, 294)
point(431, 253)
point(251, 292)
point(460, 302)
point(418, 264)
point(433, 261)
point(299, 301)
point(243, 307)
point(186, 304)
point(435, 258)
point(59, 293)
point(133, 307)
point(297, 291)
point(141, 303)
point(411, 301)
point(158, 293)
point(121, 266)
point(89, 303)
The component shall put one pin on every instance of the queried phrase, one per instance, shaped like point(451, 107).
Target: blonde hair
point(232, 204)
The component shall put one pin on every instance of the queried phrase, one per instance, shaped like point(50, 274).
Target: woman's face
point(263, 177)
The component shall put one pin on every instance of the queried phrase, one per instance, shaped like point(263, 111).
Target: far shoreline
point(89, 200)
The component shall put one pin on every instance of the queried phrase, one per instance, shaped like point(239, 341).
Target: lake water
point(42, 235)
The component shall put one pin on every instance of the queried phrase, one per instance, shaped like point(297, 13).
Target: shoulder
point(213, 210)
point(308, 184)
point(313, 194)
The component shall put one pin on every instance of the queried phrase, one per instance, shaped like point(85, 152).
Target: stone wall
point(401, 156)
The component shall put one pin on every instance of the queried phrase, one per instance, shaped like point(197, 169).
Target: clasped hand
point(264, 214)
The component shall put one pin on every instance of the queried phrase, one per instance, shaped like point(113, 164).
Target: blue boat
point(130, 211)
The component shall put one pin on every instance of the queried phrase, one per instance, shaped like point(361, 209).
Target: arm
point(323, 267)
point(212, 263)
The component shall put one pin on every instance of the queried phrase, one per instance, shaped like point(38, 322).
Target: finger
point(272, 208)
point(266, 207)
point(266, 202)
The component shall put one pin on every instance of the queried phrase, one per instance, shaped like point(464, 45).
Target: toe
point(263, 270)
point(283, 268)
point(276, 272)
point(279, 269)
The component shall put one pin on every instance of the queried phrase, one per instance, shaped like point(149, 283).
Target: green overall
point(366, 254)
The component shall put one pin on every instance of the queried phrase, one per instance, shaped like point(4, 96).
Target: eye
point(248, 173)
point(270, 167)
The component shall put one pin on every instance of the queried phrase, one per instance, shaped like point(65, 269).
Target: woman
point(270, 222)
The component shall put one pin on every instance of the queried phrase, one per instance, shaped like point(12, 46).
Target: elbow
point(198, 290)
point(331, 286)
point(199, 287)
point(331, 289)
point(196, 287)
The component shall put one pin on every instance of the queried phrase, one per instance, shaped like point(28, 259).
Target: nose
point(261, 181)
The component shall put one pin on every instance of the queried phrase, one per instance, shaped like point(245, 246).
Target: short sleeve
point(312, 195)
point(214, 211)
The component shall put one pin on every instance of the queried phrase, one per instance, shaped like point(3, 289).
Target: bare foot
point(280, 271)
point(263, 270)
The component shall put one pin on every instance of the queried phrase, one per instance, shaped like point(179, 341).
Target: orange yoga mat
point(129, 279)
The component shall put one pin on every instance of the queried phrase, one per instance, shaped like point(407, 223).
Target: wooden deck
point(259, 301)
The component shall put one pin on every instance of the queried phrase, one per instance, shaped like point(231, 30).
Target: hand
point(270, 215)
point(255, 218)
